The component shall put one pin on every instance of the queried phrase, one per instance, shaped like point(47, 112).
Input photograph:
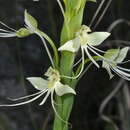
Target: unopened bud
point(23, 32)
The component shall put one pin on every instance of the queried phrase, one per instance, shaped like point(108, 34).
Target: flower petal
point(91, 58)
point(124, 69)
point(29, 20)
point(107, 67)
point(38, 82)
point(72, 45)
point(96, 38)
point(122, 54)
point(7, 34)
point(61, 89)
point(111, 54)
point(22, 103)
point(45, 98)
point(3, 30)
point(120, 74)
point(7, 26)
point(28, 96)
point(49, 72)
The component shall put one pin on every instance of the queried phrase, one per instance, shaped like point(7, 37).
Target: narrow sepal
point(122, 54)
point(38, 82)
point(29, 20)
point(72, 45)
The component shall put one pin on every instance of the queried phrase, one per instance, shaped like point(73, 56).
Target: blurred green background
point(21, 58)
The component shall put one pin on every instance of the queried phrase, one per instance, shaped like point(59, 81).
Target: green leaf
point(29, 20)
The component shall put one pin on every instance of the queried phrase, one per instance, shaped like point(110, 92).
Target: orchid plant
point(61, 76)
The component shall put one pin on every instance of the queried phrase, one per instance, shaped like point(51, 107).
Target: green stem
point(66, 65)
point(56, 57)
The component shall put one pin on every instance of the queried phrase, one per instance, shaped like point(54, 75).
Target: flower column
point(73, 17)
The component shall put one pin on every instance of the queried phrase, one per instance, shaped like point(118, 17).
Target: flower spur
point(49, 86)
point(115, 58)
point(86, 41)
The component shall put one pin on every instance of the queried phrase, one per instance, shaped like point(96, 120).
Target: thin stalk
point(103, 13)
point(107, 100)
point(56, 57)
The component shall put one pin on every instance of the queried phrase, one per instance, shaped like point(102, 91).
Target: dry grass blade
point(117, 22)
point(97, 12)
point(106, 101)
point(103, 13)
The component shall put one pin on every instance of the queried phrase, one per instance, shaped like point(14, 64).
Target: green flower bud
point(23, 32)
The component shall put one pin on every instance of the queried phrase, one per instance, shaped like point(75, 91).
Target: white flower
point(115, 58)
point(31, 26)
point(49, 86)
point(86, 41)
